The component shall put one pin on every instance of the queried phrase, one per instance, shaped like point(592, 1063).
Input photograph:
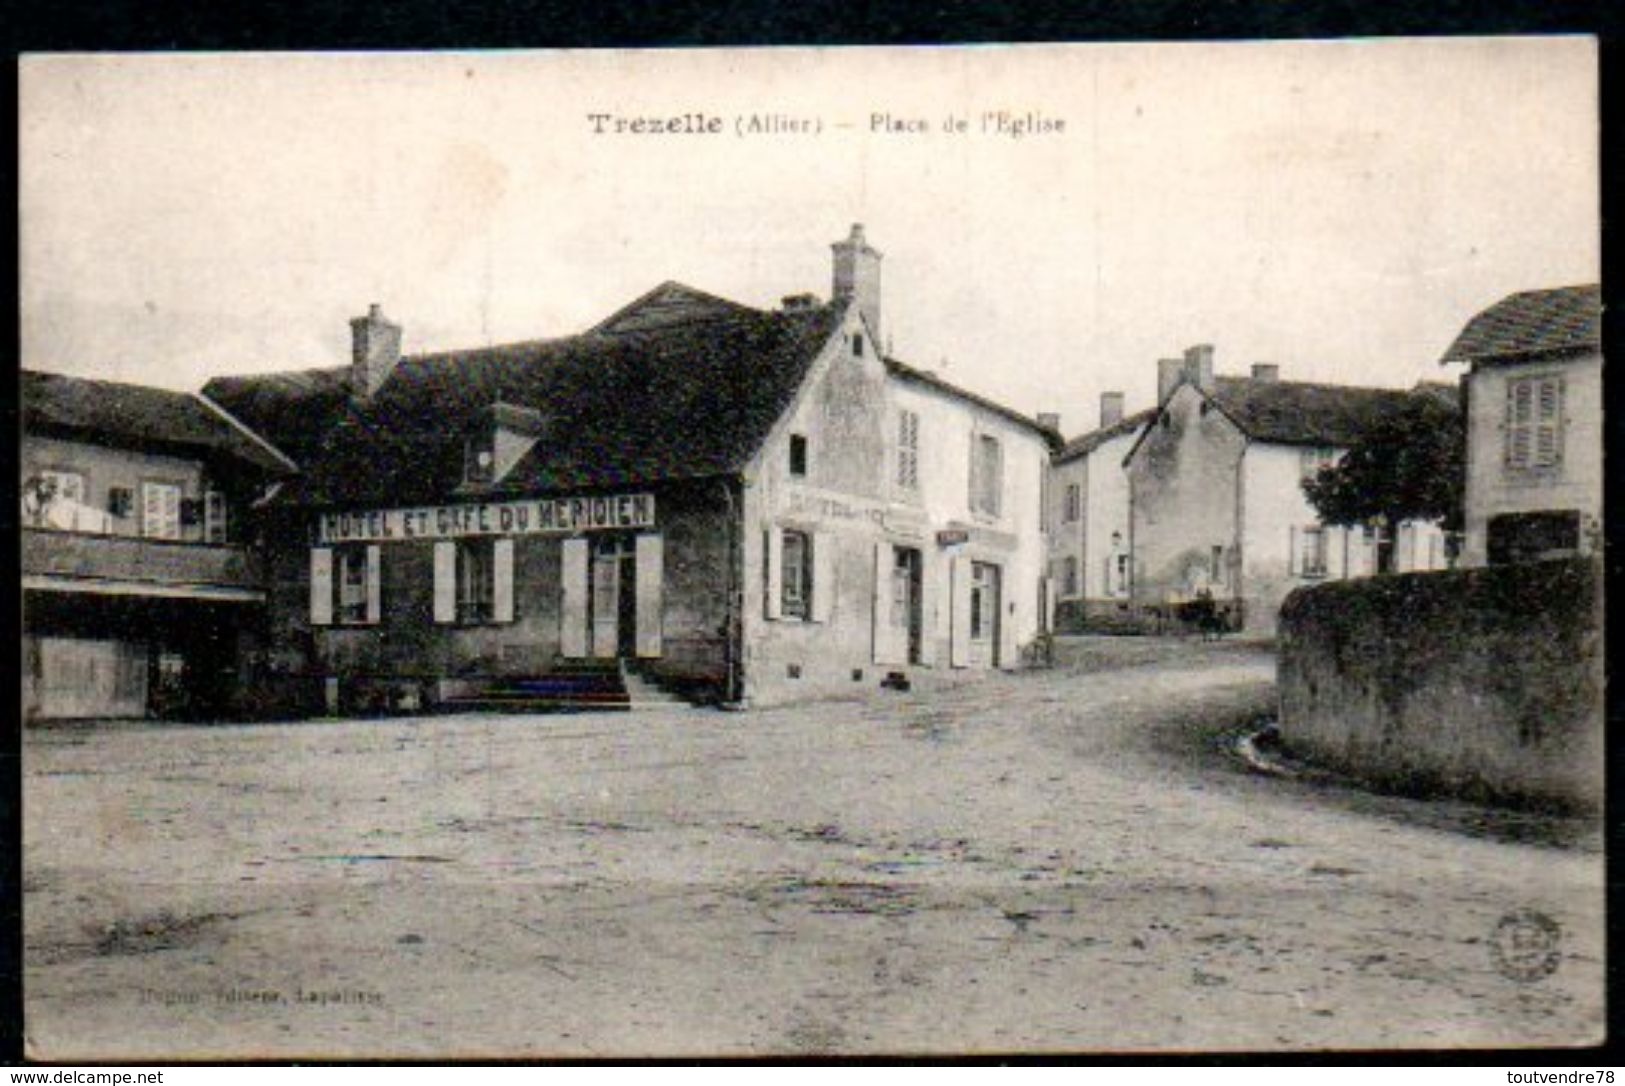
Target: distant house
point(1216, 498)
point(1534, 425)
point(744, 504)
point(140, 594)
point(1090, 569)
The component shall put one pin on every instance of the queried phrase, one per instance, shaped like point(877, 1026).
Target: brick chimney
point(1111, 409)
point(1199, 366)
point(375, 347)
point(1169, 373)
point(857, 277)
point(1266, 371)
point(1049, 420)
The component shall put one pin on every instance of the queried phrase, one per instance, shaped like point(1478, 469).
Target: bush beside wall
point(1486, 683)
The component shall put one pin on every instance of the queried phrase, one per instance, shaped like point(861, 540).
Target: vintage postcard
point(836, 551)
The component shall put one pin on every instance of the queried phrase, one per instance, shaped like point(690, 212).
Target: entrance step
point(571, 686)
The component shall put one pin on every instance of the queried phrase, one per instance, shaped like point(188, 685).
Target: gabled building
point(141, 594)
point(1534, 425)
point(750, 505)
point(1216, 497)
point(1090, 563)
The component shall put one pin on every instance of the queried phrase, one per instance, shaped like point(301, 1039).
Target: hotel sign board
point(540, 516)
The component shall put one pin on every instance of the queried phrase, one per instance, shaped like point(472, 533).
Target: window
point(120, 501)
point(798, 454)
point(987, 474)
point(1216, 565)
point(1074, 503)
point(1312, 552)
point(1534, 423)
point(1069, 577)
point(1311, 461)
point(479, 459)
point(351, 585)
point(64, 485)
point(796, 585)
point(908, 450)
point(214, 517)
point(984, 598)
point(476, 581)
point(1119, 580)
point(160, 510)
point(857, 345)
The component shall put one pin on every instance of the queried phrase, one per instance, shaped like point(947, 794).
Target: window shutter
point(502, 580)
point(959, 613)
point(651, 552)
point(773, 552)
point(1009, 609)
point(1046, 607)
point(374, 584)
point(1294, 550)
point(445, 581)
point(573, 610)
point(975, 475)
point(321, 586)
point(823, 584)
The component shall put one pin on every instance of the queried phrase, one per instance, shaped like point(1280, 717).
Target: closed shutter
point(1294, 553)
point(959, 613)
point(374, 584)
point(321, 586)
point(1046, 606)
point(1009, 630)
point(1549, 423)
point(773, 588)
point(885, 651)
point(823, 584)
point(651, 558)
point(573, 609)
point(502, 580)
point(445, 581)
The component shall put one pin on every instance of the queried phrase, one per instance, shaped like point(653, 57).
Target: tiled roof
point(135, 416)
point(647, 397)
point(903, 371)
point(293, 411)
point(1532, 324)
point(1301, 413)
point(1088, 443)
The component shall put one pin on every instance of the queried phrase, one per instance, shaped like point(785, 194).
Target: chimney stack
point(1199, 366)
point(857, 278)
point(800, 303)
point(1266, 371)
point(375, 347)
point(1169, 373)
point(1111, 409)
point(1049, 420)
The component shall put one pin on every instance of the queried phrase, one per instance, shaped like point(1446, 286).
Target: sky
point(1338, 208)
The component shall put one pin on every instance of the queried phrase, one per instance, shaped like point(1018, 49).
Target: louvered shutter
point(502, 580)
point(651, 550)
point(573, 604)
point(1549, 422)
point(321, 586)
point(374, 584)
point(445, 581)
point(823, 582)
point(884, 641)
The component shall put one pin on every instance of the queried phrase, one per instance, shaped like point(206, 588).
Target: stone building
point(734, 503)
point(1216, 496)
point(1534, 426)
point(141, 593)
point(1090, 563)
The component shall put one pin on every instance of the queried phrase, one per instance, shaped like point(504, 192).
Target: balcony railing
point(138, 562)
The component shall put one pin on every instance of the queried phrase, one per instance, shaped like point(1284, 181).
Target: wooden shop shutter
point(651, 552)
point(374, 584)
point(321, 586)
point(823, 583)
point(445, 581)
point(573, 614)
point(502, 580)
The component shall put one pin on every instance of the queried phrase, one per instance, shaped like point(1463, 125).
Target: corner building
point(732, 503)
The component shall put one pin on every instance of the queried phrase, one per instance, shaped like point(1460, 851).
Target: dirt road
point(1064, 860)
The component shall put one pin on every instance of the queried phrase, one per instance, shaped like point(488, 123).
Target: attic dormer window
point(857, 345)
point(479, 459)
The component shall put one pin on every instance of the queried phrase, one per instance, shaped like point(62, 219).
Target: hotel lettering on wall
point(544, 516)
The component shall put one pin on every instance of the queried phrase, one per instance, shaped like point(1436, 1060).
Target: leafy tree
point(1411, 465)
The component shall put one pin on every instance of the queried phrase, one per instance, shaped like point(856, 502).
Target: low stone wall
point(1486, 683)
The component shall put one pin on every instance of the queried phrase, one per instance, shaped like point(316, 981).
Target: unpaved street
point(1062, 860)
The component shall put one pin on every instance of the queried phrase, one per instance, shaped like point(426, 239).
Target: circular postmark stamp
point(1524, 946)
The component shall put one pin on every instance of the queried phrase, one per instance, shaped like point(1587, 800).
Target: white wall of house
point(850, 501)
point(1106, 514)
point(1575, 483)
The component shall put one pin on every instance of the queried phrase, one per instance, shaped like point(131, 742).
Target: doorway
point(614, 601)
point(907, 614)
point(984, 614)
